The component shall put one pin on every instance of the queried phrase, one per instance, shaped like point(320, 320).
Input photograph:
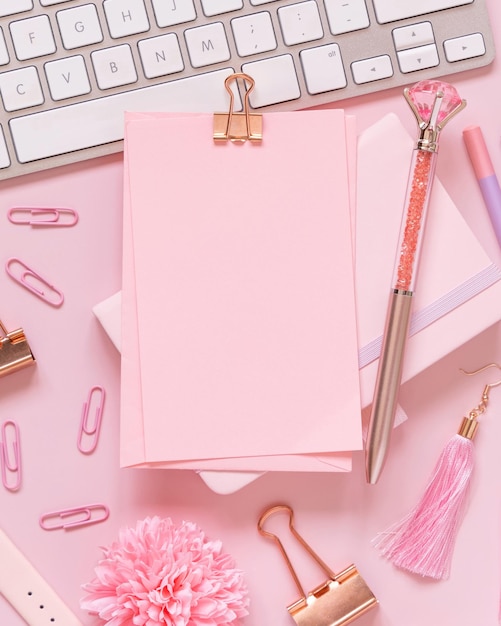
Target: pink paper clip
point(10, 456)
point(23, 274)
point(87, 429)
point(42, 216)
point(74, 517)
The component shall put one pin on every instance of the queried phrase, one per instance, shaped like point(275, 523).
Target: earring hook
point(478, 410)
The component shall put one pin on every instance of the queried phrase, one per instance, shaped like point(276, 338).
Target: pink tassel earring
point(423, 541)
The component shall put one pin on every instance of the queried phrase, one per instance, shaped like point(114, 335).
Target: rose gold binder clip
point(338, 601)
point(75, 517)
point(88, 432)
point(10, 456)
point(236, 126)
point(15, 352)
point(32, 281)
point(42, 216)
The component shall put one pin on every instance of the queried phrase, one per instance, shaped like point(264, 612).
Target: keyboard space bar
point(96, 122)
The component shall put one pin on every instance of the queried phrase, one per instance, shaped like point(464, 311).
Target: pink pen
point(433, 103)
point(487, 179)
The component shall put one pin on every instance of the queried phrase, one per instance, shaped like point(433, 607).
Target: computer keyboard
point(70, 68)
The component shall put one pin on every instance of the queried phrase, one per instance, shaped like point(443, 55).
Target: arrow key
point(418, 58)
point(374, 68)
point(466, 47)
point(419, 34)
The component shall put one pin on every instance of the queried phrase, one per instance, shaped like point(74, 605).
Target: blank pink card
point(242, 261)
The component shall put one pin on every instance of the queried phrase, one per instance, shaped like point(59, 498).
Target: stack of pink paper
point(239, 338)
point(261, 245)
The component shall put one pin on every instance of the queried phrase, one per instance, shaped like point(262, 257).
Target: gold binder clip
point(235, 126)
point(15, 352)
point(338, 601)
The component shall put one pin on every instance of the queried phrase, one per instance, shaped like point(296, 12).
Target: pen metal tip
point(374, 466)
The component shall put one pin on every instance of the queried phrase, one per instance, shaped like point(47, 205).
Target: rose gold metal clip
point(15, 352)
point(32, 281)
point(74, 517)
point(10, 456)
point(91, 430)
point(42, 216)
point(235, 126)
point(338, 601)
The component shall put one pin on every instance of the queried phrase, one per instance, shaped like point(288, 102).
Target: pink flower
point(160, 574)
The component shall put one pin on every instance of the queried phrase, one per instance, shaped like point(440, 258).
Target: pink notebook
point(239, 340)
point(458, 289)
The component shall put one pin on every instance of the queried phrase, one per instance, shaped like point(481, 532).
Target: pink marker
point(487, 179)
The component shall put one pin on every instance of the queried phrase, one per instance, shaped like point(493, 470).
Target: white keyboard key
point(207, 44)
point(323, 68)
point(375, 68)
point(413, 36)
point(12, 7)
point(4, 153)
point(79, 26)
point(32, 37)
point(391, 10)
point(346, 16)
point(21, 89)
point(467, 47)
point(49, 3)
point(172, 12)
point(253, 34)
point(300, 22)
point(126, 17)
point(96, 122)
point(217, 7)
point(4, 55)
point(275, 78)
point(302, 53)
point(160, 56)
point(420, 58)
point(114, 66)
point(67, 78)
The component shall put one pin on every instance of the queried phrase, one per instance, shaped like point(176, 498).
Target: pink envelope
point(299, 376)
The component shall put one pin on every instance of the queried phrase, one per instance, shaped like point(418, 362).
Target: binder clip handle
point(266, 533)
point(15, 351)
point(235, 126)
point(336, 602)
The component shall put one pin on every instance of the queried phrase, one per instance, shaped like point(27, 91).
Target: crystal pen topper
point(433, 103)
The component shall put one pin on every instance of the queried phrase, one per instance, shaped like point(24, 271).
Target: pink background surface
point(338, 514)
